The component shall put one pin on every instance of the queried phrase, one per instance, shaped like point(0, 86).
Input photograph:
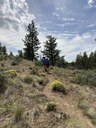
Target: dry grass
point(23, 103)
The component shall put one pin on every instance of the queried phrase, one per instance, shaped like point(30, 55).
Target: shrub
point(83, 104)
point(40, 81)
point(91, 113)
point(19, 110)
point(85, 78)
point(28, 79)
point(13, 63)
point(2, 81)
point(11, 73)
point(16, 60)
point(51, 106)
point(58, 87)
point(1, 57)
point(42, 74)
point(38, 63)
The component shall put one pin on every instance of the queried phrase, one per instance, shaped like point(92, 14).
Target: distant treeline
point(86, 62)
point(32, 45)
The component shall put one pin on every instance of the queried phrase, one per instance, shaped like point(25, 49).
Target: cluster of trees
point(86, 62)
point(3, 49)
point(32, 44)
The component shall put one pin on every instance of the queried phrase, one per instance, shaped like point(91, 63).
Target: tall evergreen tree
point(4, 50)
point(91, 60)
point(50, 50)
point(31, 42)
point(20, 53)
point(79, 61)
point(85, 62)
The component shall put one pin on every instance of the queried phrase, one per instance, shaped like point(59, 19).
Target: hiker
point(45, 63)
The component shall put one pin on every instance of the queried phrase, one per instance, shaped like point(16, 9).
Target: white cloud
point(90, 3)
point(68, 19)
point(14, 17)
point(71, 47)
point(55, 14)
point(14, 14)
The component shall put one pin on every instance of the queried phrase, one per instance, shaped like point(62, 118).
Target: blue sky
point(72, 22)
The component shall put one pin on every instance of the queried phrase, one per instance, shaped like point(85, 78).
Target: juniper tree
point(20, 53)
point(31, 42)
point(50, 50)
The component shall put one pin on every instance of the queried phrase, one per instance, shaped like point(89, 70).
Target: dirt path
point(66, 104)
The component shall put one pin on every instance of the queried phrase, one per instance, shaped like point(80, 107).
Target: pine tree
point(20, 53)
point(4, 50)
point(50, 50)
point(85, 61)
point(79, 61)
point(31, 42)
point(91, 60)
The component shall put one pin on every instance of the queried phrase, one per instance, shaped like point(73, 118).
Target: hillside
point(27, 92)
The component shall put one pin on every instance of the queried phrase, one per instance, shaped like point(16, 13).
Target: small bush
point(13, 63)
point(19, 110)
point(1, 57)
point(85, 78)
point(11, 73)
point(28, 79)
point(58, 87)
point(91, 113)
point(40, 81)
point(16, 60)
point(38, 63)
point(83, 104)
point(42, 74)
point(51, 106)
point(3, 81)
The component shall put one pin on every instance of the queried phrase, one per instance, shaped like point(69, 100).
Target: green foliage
point(40, 81)
point(3, 81)
point(42, 74)
point(50, 50)
point(19, 110)
point(58, 87)
point(20, 54)
point(31, 42)
point(51, 106)
point(87, 110)
point(16, 60)
point(83, 104)
point(91, 113)
point(3, 49)
point(13, 63)
point(86, 62)
point(11, 73)
point(3, 57)
point(86, 78)
point(38, 63)
point(28, 79)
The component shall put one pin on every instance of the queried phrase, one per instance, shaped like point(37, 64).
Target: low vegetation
point(11, 73)
point(28, 79)
point(19, 110)
point(3, 81)
point(86, 78)
point(58, 87)
point(51, 106)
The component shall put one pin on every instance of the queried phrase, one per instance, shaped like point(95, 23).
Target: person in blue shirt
point(45, 63)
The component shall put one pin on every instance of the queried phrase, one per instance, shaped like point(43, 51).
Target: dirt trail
point(66, 103)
